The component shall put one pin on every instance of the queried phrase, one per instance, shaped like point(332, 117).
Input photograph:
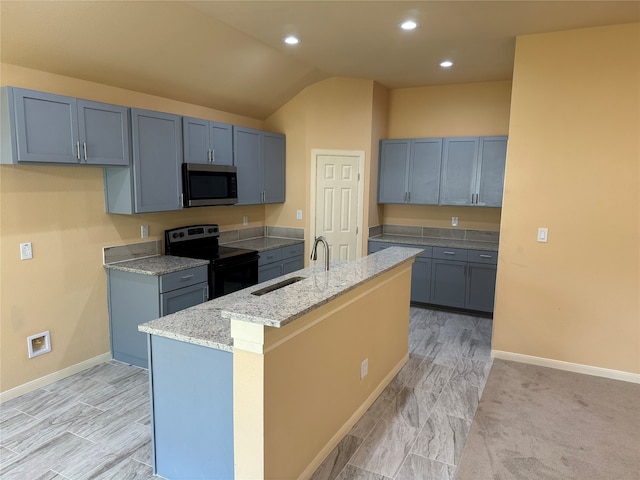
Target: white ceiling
point(229, 55)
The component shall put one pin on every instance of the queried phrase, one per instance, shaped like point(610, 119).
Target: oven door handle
point(231, 263)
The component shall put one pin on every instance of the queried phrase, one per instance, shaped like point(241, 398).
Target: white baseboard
point(53, 377)
point(568, 366)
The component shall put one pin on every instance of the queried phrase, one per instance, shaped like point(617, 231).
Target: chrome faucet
point(314, 251)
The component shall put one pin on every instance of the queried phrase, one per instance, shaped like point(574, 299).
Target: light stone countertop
point(208, 324)
point(263, 243)
point(436, 242)
point(158, 265)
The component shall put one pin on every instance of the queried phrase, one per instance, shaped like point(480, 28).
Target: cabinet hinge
point(358, 177)
point(357, 230)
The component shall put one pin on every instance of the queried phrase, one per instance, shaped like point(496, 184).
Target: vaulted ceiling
point(229, 55)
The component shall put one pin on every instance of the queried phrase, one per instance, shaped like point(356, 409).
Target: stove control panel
point(193, 232)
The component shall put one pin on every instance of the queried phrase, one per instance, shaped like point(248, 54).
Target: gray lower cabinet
point(259, 157)
point(280, 261)
point(451, 277)
point(448, 277)
point(420, 272)
point(207, 141)
point(481, 280)
point(154, 182)
point(41, 127)
point(192, 427)
point(136, 298)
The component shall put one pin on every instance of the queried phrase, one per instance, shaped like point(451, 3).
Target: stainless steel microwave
point(206, 185)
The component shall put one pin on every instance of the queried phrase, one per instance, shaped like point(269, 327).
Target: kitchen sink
point(277, 286)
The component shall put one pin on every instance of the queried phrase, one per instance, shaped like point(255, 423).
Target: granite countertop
point(263, 243)
point(158, 265)
point(208, 324)
point(436, 242)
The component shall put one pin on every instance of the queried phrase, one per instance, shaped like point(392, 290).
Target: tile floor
point(95, 424)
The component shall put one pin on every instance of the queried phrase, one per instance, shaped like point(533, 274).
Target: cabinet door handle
point(187, 277)
point(449, 253)
point(213, 156)
point(84, 147)
point(208, 155)
point(485, 256)
point(78, 150)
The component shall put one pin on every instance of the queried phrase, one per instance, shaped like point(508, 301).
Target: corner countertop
point(436, 242)
point(157, 265)
point(208, 324)
point(262, 244)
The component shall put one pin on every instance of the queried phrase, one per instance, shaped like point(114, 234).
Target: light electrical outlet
point(26, 252)
point(245, 220)
point(454, 221)
point(364, 368)
point(144, 231)
point(298, 214)
point(543, 235)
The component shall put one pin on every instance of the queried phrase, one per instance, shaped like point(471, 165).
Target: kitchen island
point(248, 386)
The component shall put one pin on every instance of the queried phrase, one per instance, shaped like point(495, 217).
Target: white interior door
point(339, 202)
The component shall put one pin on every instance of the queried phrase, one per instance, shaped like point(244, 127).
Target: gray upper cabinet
point(47, 128)
point(260, 159)
point(153, 184)
point(273, 168)
point(207, 142)
point(459, 170)
point(394, 166)
point(491, 168)
point(473, 171)
point(410, 171)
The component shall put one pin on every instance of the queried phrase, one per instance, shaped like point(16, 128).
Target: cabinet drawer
point(480, 256)
point(183, 278)
point(292, 251)
point(459, 254)
point(428, 251)
point(270, 256)
point(377, 246)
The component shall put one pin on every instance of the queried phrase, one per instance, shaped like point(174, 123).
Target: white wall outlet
point(38, 344)
point(543, 235)
point(26, 252)
point(298, 214)
point(245, 220)
point(454, 221)
point(364, 368)
point(144, 231)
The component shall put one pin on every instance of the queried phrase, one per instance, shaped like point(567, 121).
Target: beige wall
point(334, 114)
point(296, 401)
point(60, 209)
point(448, 111)
point(573, 166)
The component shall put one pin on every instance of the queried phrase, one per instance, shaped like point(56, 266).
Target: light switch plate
point(298, 214)
point(543, 235)
point(26, 252)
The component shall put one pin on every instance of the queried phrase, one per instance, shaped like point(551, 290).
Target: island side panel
point(313, 393)
point(192, 414)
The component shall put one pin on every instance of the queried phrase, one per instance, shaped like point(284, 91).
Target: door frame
point(360, 155)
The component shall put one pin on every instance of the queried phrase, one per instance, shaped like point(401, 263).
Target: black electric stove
point(230, 269)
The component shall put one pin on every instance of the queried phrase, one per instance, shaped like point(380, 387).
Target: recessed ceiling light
point(408, 25)
point(291, 40)
point(446, 64)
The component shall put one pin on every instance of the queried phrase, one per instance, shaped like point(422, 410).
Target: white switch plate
point(26, 252)
point(454, 221)
point(543, 235)
point(144, 231)
point(245, 220)
point(298, 214)
point(364, 368)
